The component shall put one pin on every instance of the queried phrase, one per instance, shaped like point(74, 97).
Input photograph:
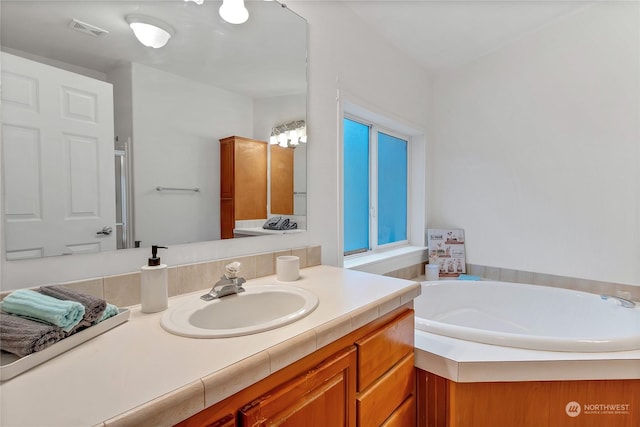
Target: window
point(375, 187)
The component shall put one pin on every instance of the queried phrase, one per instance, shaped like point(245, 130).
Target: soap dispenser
point(154, 290)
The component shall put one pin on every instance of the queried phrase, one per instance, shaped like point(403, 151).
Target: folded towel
point(22, 336)
point(272, 223)
point(34, 305)
point(93, 306)
point(290, 225)
point(110, 311)
point(279, 223)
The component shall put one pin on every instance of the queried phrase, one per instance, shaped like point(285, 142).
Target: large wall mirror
point(108, 144)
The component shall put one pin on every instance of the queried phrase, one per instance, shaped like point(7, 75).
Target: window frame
point(374, 129)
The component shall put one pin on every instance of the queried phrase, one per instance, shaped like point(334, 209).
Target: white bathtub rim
point(468, 361)
point(596, 344)
point(530, 342)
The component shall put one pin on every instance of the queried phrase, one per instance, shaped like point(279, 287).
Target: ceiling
point(244, 58)
point(435, 34)
point(440, 34)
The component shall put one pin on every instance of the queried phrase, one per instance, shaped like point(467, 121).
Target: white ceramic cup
point(287, 268)
point(432, 271)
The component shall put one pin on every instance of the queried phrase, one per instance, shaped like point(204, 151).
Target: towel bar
point(194, 189)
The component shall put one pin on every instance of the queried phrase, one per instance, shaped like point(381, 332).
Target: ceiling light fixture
point(149, 31)
point(196, 1)
point(289, 135)
point(233, 11)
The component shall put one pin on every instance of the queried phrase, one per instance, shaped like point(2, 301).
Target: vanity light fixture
point(289, 135)
point(149, 31)
point(233, 11)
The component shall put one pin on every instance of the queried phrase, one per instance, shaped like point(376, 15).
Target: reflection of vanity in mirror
point(75, 79)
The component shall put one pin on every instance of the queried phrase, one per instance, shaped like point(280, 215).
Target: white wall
point(348, 59)
point(537, 149)
point(177, 127)
point(340, 47)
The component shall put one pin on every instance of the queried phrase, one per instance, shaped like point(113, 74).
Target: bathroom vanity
point(365, 378)
point(139, 374)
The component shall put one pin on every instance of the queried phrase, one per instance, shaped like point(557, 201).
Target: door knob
point(106, 230)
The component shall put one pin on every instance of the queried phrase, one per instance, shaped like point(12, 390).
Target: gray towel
point(22, 336)
point(279, 223)
point(94, 306)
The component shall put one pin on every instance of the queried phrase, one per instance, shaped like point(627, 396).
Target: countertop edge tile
point(168, 409)
point(389, 305)
point(364, 315)
point(287, 352)
point(230, 380)
point(333, 330)
point(411, 295)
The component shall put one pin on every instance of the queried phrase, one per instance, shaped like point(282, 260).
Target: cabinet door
point(250, 179)
point(324, 396)
point(281, 180)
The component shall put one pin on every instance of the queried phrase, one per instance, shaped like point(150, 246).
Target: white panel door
point(57, 142)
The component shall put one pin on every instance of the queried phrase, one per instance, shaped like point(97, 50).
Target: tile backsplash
point(517, 276)
point(416, 272)
point(124, 289)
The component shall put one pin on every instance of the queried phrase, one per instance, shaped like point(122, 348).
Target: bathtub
point(526, 316)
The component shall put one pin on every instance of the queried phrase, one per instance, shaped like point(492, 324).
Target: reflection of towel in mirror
point(22, 336)
point(287, 224)
point(272, 223)
point(94, 306)
point(279, 223)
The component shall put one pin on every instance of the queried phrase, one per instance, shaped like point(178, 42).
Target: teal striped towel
point(108, 312)
point(34, 305)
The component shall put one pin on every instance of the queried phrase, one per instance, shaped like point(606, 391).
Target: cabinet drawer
point(382, 349)
point(404, 416)
point(380, 400)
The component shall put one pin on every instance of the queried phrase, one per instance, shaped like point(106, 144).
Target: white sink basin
point(259, 308)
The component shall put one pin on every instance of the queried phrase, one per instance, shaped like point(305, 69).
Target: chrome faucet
point(627, 303)
point(229, 283)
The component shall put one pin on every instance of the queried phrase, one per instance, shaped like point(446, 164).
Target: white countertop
point(259, 231)
point(138, 363)
point(468, 361)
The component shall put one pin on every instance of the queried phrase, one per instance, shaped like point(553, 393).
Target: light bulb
point(303, 134)
point(234, 12)
point(293, 136)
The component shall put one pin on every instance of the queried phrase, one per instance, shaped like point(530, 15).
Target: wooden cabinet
point(364, 379)
point(445, 403)
point(243, 182)
point(323, 396)
point(385, 371)
point(281, 183)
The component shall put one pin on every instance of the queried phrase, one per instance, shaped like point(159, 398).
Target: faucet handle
point(231, 270)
